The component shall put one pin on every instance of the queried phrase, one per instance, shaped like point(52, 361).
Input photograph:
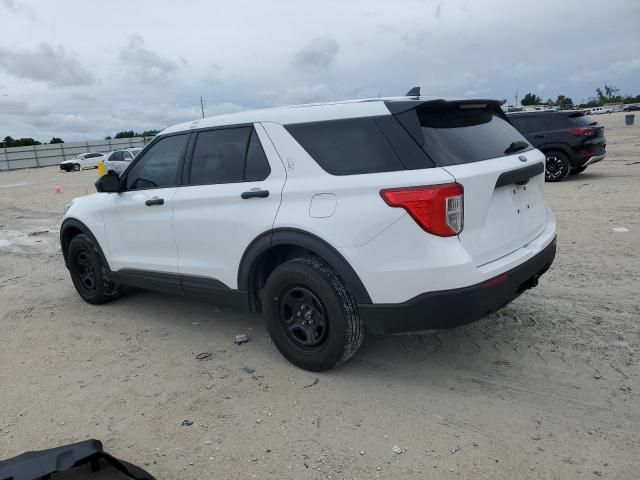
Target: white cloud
point(53, 65)
point(95, 69)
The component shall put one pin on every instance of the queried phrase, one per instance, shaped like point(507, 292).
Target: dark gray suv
point(570, 140)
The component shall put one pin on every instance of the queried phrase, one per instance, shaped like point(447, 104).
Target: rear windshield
point(457, 135)
point(579, 119)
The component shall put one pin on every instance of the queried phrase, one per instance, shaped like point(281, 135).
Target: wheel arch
point(273, 248)
point(70, 228)
point(556, 146)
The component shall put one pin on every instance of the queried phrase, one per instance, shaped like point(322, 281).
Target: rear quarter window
point(347, 147)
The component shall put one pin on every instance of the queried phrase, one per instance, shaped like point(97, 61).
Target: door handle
point(154, 201)
point(254, 194)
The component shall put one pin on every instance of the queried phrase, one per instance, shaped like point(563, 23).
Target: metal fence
point(54, 153)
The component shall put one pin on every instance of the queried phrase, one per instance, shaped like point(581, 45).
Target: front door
point(138, 221)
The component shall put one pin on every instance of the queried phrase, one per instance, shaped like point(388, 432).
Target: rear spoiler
point(401, 106)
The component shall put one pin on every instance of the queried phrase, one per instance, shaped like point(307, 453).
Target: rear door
point(502, 175)
point(234, 181)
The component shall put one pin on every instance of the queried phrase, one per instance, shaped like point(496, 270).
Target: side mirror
point(109, 183)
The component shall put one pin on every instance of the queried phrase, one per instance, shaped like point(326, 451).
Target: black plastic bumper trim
point(451, 308)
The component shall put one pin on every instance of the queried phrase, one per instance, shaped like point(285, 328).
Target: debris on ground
point(204, 355)
point(240, 339)
point(248, 370)
point(361, 452)
point(315, 382)
point(38, 232)
point(186, 423)
point(397, 449)
point(457, 449)
point(620, 229)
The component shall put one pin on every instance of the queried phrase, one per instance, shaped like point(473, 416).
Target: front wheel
point(557, 166)
point(88, 273)
point(312, 318)
point(76, 167)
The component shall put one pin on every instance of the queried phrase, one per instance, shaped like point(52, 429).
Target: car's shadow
point(468, 350)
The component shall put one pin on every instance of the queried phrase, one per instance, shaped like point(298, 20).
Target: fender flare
point(78, 225)
point(556, 146)
point(308, 241)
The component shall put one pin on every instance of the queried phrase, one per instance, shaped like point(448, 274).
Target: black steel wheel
point(311, 316)
point(303, 317)
point(557, 166)
point(89, 274)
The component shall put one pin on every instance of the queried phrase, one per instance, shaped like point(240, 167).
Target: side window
point(347, 147)
point(219, 156)
point(257, 167)
point(93, 155)
point(158, 167)
point(115, 157)
point(527, 124)
point(126, 156)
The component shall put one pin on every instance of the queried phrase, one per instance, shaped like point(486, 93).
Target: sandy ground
point(546, 388)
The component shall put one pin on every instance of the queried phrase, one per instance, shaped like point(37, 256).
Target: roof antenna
point(414, 92)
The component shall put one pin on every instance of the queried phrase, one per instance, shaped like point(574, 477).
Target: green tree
point(531, 99)
point(108, 137)
point(19, 142)
point(148, 133)
point(563, 102)
point(56, 140)
point(125, 134)
point(608, 94)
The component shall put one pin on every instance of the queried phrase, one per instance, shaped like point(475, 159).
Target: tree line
point(605, 95)
point(9, 141)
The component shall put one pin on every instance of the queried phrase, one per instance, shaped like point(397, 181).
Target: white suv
point(119, 160)
point(383, 215)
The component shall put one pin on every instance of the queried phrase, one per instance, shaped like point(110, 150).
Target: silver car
point(120, 159)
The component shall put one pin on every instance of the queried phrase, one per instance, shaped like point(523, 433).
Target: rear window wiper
point(516, 147)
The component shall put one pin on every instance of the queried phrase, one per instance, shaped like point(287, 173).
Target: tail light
point(582, 132)
point(438, 209)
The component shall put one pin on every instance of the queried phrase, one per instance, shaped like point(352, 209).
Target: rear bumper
point(451, 308)
point(592, 160)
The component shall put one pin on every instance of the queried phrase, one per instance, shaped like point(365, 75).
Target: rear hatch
point(502, 175)
point(591, 133)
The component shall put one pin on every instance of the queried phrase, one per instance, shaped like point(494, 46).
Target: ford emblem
point(522, 158)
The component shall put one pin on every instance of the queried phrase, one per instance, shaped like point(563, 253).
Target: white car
point(83, 160)
point(384, 215)
point(118, 160)
point(599, 110)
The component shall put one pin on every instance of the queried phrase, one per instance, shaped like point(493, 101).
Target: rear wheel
point(575, 171)
point(312, 318)
point(88, 273)
point(557, 166)
point(76, 167)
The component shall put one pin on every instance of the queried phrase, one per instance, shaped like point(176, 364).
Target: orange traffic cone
point(58, 189)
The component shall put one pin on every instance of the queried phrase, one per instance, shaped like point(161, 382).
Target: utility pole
point(516, 98)
point(202, 107)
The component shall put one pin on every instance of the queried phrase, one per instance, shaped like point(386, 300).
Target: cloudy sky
point(82, 70)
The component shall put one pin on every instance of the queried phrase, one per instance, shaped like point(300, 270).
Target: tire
point(308, 290)
point(557, 166)
point(578, 170)
point(76, 167)
point(89, 274)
